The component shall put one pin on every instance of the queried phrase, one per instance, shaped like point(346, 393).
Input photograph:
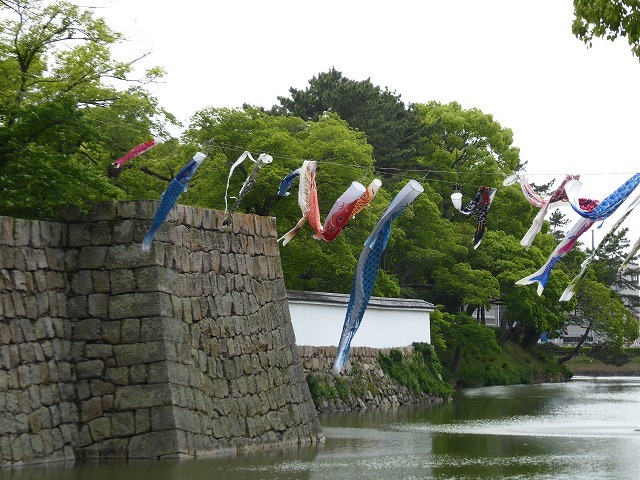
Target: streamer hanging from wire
point(115, 168)
point(169, 197)
point(568, 292)
point(247, 186)
point(367, 270)
point(479, 205)
point(557, 198)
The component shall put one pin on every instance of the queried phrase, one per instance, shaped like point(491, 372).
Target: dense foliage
point(62, 120)
point(67, 109)
point(608, 19)
point(421, 371)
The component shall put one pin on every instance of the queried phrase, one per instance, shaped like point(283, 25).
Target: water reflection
point(585, 428)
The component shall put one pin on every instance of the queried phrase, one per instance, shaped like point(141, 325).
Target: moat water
point(587, 428)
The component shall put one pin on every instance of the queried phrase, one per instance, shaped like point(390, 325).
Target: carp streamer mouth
point(114, 170)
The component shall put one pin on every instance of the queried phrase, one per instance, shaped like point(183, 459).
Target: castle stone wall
point(111, 352)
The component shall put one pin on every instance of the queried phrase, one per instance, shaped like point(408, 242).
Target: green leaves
point(61, 122)
point(607, 19)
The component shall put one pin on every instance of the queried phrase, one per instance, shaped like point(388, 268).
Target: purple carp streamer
point(247, 186)
point(169, 197)
point(367, 270)
point(568, 292)
point(542, 275)
point(479, 205)
point(557, 198)
point(607, 206)
point(115, 168)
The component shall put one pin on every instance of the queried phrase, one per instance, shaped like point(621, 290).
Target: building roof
point(374, 302)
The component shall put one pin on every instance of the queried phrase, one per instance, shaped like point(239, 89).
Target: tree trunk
point(457, 359)
point(575, 351)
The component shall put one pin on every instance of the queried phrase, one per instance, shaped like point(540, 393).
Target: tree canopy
point(62, 118)
point(68, 109)
point(608, 19)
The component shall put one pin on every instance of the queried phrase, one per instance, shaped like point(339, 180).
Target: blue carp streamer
point(607, 206)
point(286, 182)
point(169, 197)
point(569, 291)
point(367, 270)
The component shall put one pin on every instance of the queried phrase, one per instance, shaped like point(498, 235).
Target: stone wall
point(38, 413)
point(362, 384)
point(186, 350)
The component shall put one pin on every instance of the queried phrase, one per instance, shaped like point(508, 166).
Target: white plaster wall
point(319, 325)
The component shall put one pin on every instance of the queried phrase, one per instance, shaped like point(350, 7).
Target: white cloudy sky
point(572, 109)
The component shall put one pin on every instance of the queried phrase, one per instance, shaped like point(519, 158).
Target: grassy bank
point(586, 363)
point(506, 365)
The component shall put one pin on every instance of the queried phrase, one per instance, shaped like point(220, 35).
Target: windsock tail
point(287, 237)
point(541, 276)
point(477, 239)
point(147, 241)
point(568, 293)
point(341, 358)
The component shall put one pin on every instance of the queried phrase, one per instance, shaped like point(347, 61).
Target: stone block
point(88, 329)
point(98, 350)
point(98, 305)
point(131, 256)
point(158, 444)
point(123, 424)
point(101, 233)
point(123, 231)
point(92, 257)
point(82, 283)
point(138, 374)
point(90, 409)
point(55, 258)
point(142, 420)
point(122, 281)
point(6, 230)
point(133, 397)
point(139, 305)
point(117, 375)
point(21, 232)
point(89, 369)
point(79, 235)
point(140, 353)
point(100, 428)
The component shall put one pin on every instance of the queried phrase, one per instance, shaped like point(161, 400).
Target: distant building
point(318, 318)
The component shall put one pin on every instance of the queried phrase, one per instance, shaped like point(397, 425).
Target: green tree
point(607, 19)
point(392, 128)
point(466, 147)
point(599, 310)
point(343, 155)
point(62, 120)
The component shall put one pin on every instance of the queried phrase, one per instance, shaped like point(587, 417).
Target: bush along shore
point(382, 378)
point(375, 378)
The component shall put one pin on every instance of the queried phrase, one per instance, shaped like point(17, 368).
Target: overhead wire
point(422, 172)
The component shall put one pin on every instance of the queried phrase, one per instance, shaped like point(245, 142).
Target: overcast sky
point(572, 109)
